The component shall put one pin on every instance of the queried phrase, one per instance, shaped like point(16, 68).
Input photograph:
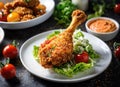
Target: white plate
point(27, 59)
point(1, 34)
point(50, 4)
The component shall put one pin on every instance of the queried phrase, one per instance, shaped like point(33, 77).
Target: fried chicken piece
point(8, 7)
point(23, 3)
point(27, 17)
point(58, 50)
point(23, 11)
point(26, 3)
point(39, 10)
point(12, 5)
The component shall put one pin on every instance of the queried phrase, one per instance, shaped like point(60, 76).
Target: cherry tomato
point(3, 17)
point(1, 5)
point(8, 71)
point(10, 51)
point(117, 8)
point(117, 52)
point(84, 57)
point(13, 17)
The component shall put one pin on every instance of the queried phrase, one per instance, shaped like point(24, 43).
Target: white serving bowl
point(50, 4)
point(2, 34)
point(104, 36)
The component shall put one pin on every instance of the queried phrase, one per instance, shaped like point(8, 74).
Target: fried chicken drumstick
point(58, 49)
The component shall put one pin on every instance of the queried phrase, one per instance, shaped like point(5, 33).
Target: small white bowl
point(104, 36)
point(50, 4)
point(1, 34)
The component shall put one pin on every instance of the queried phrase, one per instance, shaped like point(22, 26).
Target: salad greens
point(80, 44)
point(63, 11)
point(53, 34)
point(100, 8)
point(69, 69)
point(35, 52)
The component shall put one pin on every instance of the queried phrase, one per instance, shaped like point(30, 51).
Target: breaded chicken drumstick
point(58, 49)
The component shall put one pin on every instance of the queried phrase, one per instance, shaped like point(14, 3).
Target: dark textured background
point(109, 78)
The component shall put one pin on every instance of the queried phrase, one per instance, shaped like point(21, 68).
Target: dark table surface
point(109, 78)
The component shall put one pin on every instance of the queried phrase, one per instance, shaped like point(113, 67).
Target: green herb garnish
point(63, 11)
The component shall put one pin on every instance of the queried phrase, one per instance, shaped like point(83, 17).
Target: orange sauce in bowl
point(102, 26)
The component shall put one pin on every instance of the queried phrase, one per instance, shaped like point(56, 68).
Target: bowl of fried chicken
point(21, 14)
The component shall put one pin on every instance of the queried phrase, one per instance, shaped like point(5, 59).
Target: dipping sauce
point(102, 26)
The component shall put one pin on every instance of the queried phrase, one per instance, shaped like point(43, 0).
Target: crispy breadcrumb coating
point(23, 3)
point(39, 10)
point(23, 10)
point(27, 17)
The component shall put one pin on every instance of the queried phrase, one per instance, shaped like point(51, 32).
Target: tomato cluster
point(11, 17)
point(8, 70)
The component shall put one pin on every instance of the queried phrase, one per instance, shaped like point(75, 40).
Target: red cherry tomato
point(117, 8)
point(3, 17)
point(10, 51)
point(8, 71)
point(117, 52)
point(84, 57)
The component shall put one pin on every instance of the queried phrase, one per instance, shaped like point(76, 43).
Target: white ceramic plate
point(50, 4)
point(28, 61)
point(1, 34)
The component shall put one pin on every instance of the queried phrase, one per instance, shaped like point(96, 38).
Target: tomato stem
point(15, 43)
point(7, 60)
point(115, 45)
point(1, 64)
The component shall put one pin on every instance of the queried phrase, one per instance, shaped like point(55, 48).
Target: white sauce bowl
point(104, 36)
